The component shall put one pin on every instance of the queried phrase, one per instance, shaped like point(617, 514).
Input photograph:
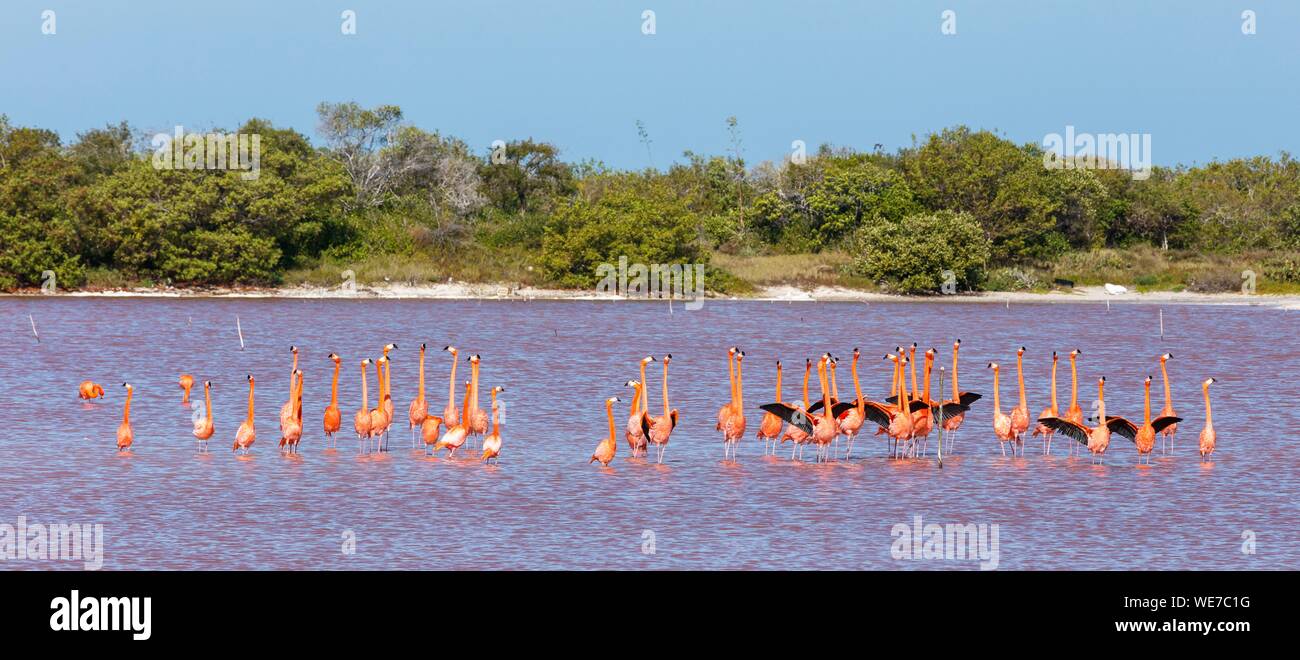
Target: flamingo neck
point(365, 389)
point(826, 396)
point(956, 395)
point(857, 388)
point(250, 403)
point(1146, 404)
point(207, 402)
point(778, 384)
point(665, 388)
point(1208, 422)
point(126, 410)
point(421, 374)
point(1020, 375)
point(609, 412)
point(731, 376)
point(1074, 383)
point(740, 386)
point(929, 365)
point(997, 395)
point(496, 421)
point(642, 395)
point(334, 388)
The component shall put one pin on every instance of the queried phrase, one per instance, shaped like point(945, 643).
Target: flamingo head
point(647, 360)
point(1208, 382)
point(668, 358)
point(612, 400)
point(632, 383)
point(473, 359)
point(1165, 357)
point(956, 345)
point(452, 350)
point(335, 357)
point(293, 349)
point(1020, 351)
point(993, 366)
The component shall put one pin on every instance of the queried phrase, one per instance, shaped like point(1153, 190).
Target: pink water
point(165, 506)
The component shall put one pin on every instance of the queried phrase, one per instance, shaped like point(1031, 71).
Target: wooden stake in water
point(37, 336)
point(941, 369)
point(1162, 323)
point(240, 328)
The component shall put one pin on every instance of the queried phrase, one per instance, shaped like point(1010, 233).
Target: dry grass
point(823, 268)
point(470, 264)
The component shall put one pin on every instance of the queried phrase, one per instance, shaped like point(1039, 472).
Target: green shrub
point(917, 254)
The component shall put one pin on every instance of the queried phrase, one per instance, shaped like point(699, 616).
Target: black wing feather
point(1161, 423)
point(1067, 428)
point(794, 416)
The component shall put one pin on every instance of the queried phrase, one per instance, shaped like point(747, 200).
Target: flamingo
point(246, 435)
point(770, 428)
point(1168, 410)
point(953, 422)
point(1001, 423)
point(731, 386)
point(186, 382)
point(923, 419)
point(287, 408)
point(289, 417)
point(361, 421)
point(1208, 436)
point(902, 422)
point(125, 436)
point(457, 434)
point(429, 432)
point(1074, 413)
point(824, 429)
point(1020, 414)
point(608, 447)
point(450, 416)
point(379, 419)
point(203, 426)
point(732, 415)
point(478, 418)
point(851, 422)
point(636, 439)
point(1049, 411)
point(658, 431)
point(1144, 437)
point(293, 430)
point(795, 432)
point(1096, 439)
point(419, 407)
point(386, 401)
point(333, 417)
point(90, 390)
point(492, 443)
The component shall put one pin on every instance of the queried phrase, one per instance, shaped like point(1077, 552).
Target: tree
point(529, 177)
point(923, 251)
point(357, 137)
point(632, 216)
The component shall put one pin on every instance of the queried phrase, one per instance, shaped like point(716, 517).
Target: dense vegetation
point(389, 200)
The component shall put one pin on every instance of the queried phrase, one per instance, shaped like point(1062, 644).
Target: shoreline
point(780, 293)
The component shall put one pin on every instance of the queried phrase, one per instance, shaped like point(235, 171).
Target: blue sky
point(579, 73)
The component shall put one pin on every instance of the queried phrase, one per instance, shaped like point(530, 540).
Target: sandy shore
point(471, 291)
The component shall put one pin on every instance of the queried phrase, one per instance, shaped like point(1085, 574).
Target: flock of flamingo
point(906, 417)
point(371, 424)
